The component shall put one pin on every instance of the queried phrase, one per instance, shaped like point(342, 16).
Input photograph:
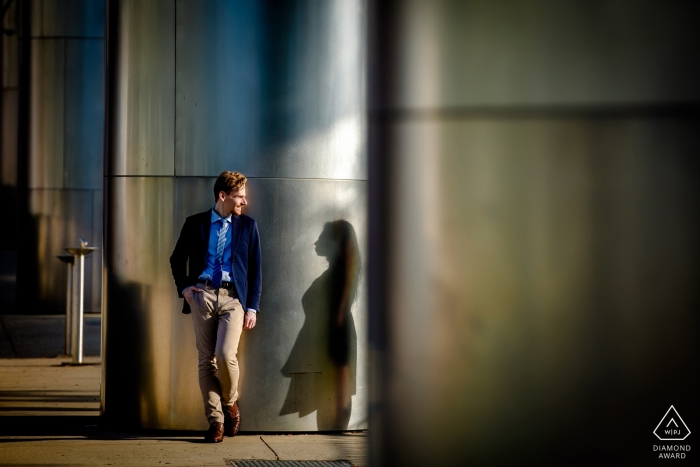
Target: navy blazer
point(246, 267)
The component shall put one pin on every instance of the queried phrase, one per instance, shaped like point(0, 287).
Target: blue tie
point(218, 263)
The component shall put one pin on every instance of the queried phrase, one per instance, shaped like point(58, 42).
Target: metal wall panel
point(59, 217)
point(10, 103)
point(145, 84)
point(66, 125)
point(47, 104)
point(72, 18)
point(219, 47)
point(273, 90)
point(268, 87)
point(84, 114)
point(288, 379)
point(453, 53)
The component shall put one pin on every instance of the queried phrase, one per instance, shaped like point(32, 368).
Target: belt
point(224, 284)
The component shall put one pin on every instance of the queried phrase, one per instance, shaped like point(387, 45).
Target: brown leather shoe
point(215, 434)
point(232, 419)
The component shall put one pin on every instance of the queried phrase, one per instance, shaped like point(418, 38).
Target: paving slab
point(46, 387)
point(174, 451)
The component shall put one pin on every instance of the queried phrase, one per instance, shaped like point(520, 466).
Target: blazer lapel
point(235, 234)
point(205, 228)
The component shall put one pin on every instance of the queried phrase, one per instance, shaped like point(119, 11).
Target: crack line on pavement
point(273, 451)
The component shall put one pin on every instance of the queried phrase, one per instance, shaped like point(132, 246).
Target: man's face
point(233, 202)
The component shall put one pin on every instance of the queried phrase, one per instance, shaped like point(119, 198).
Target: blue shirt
point(218, 223)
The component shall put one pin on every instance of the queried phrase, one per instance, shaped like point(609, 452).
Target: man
point(222, 246)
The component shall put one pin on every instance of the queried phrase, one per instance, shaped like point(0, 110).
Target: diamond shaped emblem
point(671, 427)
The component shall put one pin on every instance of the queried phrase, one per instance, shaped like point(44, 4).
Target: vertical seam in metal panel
point(174, 206)
point(65, 100)
point(2, 90)
point(175, 94)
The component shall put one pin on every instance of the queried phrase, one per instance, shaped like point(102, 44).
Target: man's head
point(229, 193)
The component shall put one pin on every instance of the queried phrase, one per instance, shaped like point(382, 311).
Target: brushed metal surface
point(84, 114)
point(286, 361)
point(59, 217)
point(144, 123)
point(141, 302)
point(453, 53)
point(265, 88)
point(74, 18)
point(47, 114)
point(219, 48)
point(138, 301)
point(534, 278)
point(268, 90)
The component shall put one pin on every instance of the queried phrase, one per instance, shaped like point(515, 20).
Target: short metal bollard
point(69, 260)
point(77, 305)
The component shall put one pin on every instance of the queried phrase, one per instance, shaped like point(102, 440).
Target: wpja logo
point(672, 428)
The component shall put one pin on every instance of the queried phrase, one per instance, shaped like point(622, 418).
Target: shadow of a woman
point(323, 361)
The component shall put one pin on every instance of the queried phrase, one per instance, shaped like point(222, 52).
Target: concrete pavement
point(144, 450)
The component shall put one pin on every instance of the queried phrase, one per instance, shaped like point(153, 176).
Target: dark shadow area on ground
point(45, 426)
point(90, 427)
point(41, 395)
point(40, 336)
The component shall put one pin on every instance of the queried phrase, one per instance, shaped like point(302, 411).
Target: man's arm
point(178, 260)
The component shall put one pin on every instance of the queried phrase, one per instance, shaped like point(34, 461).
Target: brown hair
point(229, 181)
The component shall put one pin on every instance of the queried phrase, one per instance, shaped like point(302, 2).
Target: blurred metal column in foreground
point(274, 90)
point(534, 167)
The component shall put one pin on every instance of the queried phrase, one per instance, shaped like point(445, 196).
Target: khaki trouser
point(218, 323)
